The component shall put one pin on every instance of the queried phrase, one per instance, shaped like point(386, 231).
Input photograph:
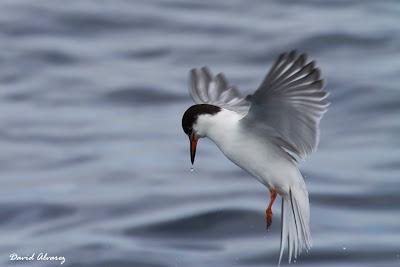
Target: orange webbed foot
point(268, 218)
point(268, 211)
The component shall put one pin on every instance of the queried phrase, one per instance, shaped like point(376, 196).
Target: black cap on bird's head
point(189, 119)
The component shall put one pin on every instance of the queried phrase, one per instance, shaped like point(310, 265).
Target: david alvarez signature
point(42, 256)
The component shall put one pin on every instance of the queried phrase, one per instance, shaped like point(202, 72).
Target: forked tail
point(295, 223)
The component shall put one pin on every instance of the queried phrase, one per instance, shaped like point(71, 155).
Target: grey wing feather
point(289, 104)
point(215, 90)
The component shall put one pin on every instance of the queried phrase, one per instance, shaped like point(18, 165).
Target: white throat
point(218, 126)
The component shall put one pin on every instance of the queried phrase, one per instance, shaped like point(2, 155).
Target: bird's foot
point(268, 218)
point(268, 211)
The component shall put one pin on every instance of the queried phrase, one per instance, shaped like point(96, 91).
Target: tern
point(266, 133)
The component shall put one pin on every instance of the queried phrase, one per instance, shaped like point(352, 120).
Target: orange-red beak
point(193, 144)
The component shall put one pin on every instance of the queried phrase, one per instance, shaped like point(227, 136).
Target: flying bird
point(266, 133)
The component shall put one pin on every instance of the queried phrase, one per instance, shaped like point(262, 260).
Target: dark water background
point(94, 164)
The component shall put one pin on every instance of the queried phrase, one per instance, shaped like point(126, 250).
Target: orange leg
point(268, 211)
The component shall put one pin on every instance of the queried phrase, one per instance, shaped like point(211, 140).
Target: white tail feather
point(295, 221)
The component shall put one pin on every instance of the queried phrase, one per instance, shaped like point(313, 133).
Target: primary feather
point(207, 89)
point(290, 102)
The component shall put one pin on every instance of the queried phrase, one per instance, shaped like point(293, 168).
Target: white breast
point(256, 155)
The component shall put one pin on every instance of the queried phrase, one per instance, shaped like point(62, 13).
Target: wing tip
point(292, 54)
point(205, 88)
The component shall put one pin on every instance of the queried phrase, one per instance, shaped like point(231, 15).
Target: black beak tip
point(192, 155)
point(193, 144)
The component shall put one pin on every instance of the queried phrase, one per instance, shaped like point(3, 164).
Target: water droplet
point(344, 248)
point(294, 261)
point(191, 169)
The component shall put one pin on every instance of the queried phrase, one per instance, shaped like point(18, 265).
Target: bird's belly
point(261, 159)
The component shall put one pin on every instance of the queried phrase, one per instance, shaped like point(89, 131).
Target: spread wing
point(289, 104)
point(215, 90)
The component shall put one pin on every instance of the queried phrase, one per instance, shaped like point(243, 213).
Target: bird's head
point(191, 126)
